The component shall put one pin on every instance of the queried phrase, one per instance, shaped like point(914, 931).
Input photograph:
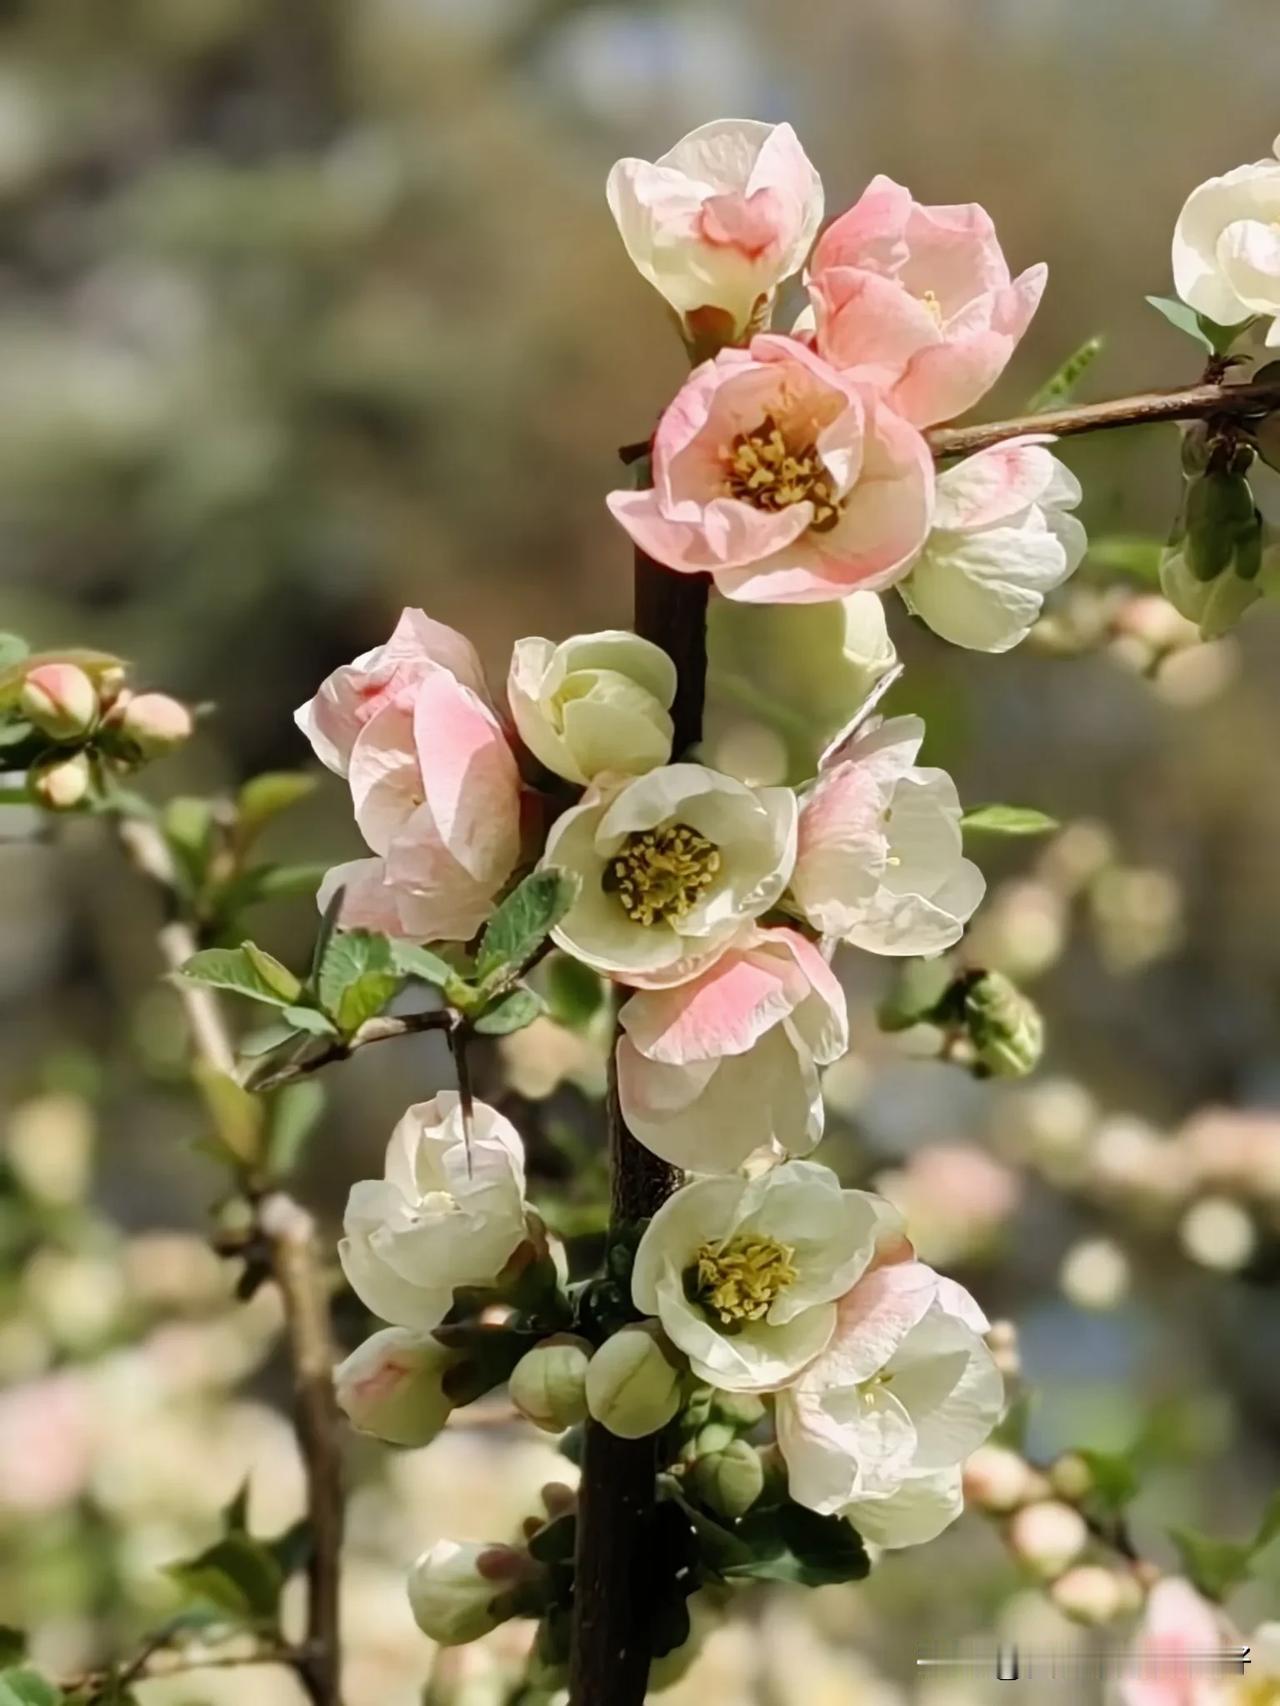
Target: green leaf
point(792, 1544)
point(266, 796)
point(235, 970)
point(1215, 1566)
point(13, 648)
point(311, 1020)
point(422, 963)
point(1060, 386)
point(238, 1115)
point(574, 993)
point(265, 1038)
point(1008, 820)
point(269, 882)
point(277, 977)
point(22, 1686)
point(237, 1575)
point(13, 1642)
point(1115, 1478)
point(324, 936)
point(522, 924)
point(512, 1013)
point(357, 978)
point(1127, 554)
point(1207, 333)
point(187, 823)
point(295, 1111)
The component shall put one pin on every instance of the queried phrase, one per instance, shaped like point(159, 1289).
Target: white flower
point(744, 1274)
point(720, 220)
point(392, 1386)
point(453, 1588)
point(789, 677)
point(598, 702)
point(878, 1427)
point(449, 1213)
point(1001, 539)
point(1226, 247)
point(880, 857)
point(673, 864)
point(719, 1067)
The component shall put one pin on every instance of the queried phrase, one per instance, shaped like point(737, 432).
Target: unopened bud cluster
point(77, 721)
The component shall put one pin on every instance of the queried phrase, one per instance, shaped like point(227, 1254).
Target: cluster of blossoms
point(791, 470)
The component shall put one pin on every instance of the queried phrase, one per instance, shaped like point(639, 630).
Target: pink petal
point(470, 780)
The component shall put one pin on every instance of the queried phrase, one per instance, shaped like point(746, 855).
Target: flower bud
point(598, 702)
point(730, 1481)
point(1215, 606)
point(740, 1410)
point(548, 1384)
point(1071, 1477)
point(1048, 1536)
point(392, 1386)
point(633, 1386)
point(1004, 1026)
point(60, 700)
point(1089, 1593)
point(61, 785)
point(154, 724)
point(455, 1587)
point(996, 1479)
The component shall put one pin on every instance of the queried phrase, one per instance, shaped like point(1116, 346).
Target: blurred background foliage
point(309, 311)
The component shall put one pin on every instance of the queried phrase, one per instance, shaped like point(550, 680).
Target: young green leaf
point(422, 963)
point(237, 1575)
point(22, 1686)
point(311, 1020)
point(522, 924)
point(574, 993)
point(511, 1013)
point(357, 978)
point(1060, 386)
point(1008, 820)
point(277, 977)
point(295, 1111)
point(266, 796)
point(1207, 333)
point(1115, 1477)
point(235, 970)
point(792, 1544)
point(238, 1115)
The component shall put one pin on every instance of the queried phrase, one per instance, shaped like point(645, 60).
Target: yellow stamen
point(931, 302)
point(661, 874)
point(739, 1280)
point(768, 473)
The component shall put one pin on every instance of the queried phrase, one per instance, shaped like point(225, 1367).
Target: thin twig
point(380, 1029)
point(1193, 403)
point(158, 1659)
point(289, 1234)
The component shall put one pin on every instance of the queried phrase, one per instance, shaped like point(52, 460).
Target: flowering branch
point(616, 1571)
point(1194, 403)
point(288, 1235)
point(380, 1029)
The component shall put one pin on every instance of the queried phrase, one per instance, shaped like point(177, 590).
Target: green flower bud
point(457, 1589)
point(548, 1384)
point(1215, 606)
point(1071, 1477)
point(1004, 1026)
point(715, 1436)
point(741, 1410)
point(633, 1383)
point(730, 1481)
point(1220, 515)
point(392, 1386)
point(62, 784)
point(60, 700)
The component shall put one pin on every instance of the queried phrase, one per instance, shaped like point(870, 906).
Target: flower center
point(739, 1280)
point(767, 472)
point(660, 874)
point(930, 301)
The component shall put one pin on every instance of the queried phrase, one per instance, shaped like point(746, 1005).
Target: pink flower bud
point(60, 700)
point(1089, 1593)
point(154, 723)
point(392, 1386)
point(63, 784)
point(1048, 1536)
point(996, 1479)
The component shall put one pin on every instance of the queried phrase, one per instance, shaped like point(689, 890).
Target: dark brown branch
point(377, 1030)
point(619, 1568)
point(289, 1235)
point(1194, 403)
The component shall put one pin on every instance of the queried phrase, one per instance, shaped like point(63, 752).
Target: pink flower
point(1176, 1624)
point(918, 302)
point(713, 1069)
point(719, 221)
point(433, 781)
point(784, 480)
point(352, 696)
